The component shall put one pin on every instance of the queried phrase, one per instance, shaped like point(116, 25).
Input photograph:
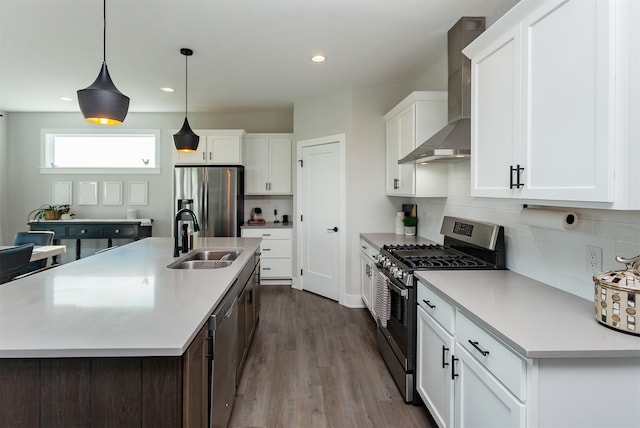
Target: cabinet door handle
point(444, 357)
point(395, 183)
point(83, 231)
point(210, 155)
point(478, 348)
point(517, 170)
point(335, 229)
point(117, 231)
point(454, 375)
point(428, 303)
point(266, 186)
point(204, 156)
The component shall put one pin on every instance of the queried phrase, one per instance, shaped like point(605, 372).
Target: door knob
point(335, 229)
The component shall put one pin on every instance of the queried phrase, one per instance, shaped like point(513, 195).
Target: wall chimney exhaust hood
point(454, 140)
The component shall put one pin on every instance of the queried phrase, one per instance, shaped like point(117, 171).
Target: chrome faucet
point(176, 231)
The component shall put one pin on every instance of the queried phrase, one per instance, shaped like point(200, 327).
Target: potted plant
point(48, 212)
point(410, 225)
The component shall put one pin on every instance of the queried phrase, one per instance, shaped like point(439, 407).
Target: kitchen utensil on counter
point(285, 218)
point(616, 296)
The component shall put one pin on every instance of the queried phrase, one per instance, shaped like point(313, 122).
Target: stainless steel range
point(467, 245)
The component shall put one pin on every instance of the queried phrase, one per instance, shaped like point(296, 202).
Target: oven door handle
point(402, 292)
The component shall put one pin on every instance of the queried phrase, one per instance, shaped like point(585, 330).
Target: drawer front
point(266, 233)
point(275, 268)
point(437, 307)
point(275, 248)
point(85, 231)
point(60, 231)
point(503, 363)
point(120, 231)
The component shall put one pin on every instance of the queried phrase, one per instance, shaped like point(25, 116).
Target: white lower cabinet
point(433, 382)
point(465, 376)
point(368, 275)
point(275, 254)
point(468, 377)
point(480, 399)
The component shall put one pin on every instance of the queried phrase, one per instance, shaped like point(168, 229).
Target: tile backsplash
point(555, 257)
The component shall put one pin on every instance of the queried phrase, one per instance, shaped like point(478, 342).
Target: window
point(134, 152)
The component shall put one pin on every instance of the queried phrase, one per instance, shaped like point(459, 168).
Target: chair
point(44, 237)
point(14, 261)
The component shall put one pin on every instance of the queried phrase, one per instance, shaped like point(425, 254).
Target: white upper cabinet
point(409, 124)
point(268, 164)
point(550, 105)
point(216, 147)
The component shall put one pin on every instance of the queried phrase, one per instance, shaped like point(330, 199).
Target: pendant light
point(186, 140)
point(102, 102)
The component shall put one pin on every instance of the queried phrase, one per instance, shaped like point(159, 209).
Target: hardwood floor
point(314, 363)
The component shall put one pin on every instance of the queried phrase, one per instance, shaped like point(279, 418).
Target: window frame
point(46, 136)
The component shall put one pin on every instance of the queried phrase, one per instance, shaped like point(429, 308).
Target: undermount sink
point(207, 258)
point(200, 264)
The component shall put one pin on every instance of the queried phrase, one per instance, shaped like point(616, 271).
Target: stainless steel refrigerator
point(215, 194)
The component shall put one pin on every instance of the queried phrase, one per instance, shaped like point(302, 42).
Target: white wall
point(28, 189)
point(358, 113)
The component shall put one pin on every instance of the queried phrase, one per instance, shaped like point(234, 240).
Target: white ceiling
point(248, 54)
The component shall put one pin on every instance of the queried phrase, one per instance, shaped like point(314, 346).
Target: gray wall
point(357, 112)
point(28, 189)
point(4, 173)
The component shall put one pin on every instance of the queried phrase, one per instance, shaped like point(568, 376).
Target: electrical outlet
point(593, 259)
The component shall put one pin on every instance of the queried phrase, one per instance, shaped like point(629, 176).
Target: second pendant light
point(186, 140)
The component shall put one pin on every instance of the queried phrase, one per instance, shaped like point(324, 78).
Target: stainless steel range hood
point(454, 140)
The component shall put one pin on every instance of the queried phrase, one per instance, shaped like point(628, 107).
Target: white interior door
point(320, 206)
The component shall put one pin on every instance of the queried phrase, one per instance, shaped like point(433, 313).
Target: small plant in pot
point(48, 212)
point(410, 225)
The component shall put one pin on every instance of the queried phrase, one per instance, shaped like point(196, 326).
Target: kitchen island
point(115, 339)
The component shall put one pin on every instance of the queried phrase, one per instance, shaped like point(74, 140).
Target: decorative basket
point(617, 294)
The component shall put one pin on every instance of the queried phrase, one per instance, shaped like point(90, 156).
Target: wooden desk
point(108, 229)
point(42, 251)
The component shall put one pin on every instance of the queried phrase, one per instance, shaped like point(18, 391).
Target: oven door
point(395, 336)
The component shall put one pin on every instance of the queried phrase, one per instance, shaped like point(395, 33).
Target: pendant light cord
point(186, 87)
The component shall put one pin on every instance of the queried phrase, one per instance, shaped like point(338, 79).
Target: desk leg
point(78, 249)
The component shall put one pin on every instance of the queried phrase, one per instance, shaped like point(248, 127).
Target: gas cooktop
point(433, 256)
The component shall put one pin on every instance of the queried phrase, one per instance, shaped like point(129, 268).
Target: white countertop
point(537, 320)
point(124, 302)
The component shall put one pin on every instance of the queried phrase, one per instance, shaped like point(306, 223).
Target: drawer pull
point(266, 249)
point(478, 348)
point(266, 234)
point(454, 375)
point(428, 303)
point(444, 357)
point(266, 268)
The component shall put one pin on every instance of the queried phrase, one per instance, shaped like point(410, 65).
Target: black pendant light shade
point(102, 102)
point(186, 140)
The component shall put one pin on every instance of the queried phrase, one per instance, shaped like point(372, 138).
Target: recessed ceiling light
point(66, 99)
point(167, 89)
point(318, 58)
